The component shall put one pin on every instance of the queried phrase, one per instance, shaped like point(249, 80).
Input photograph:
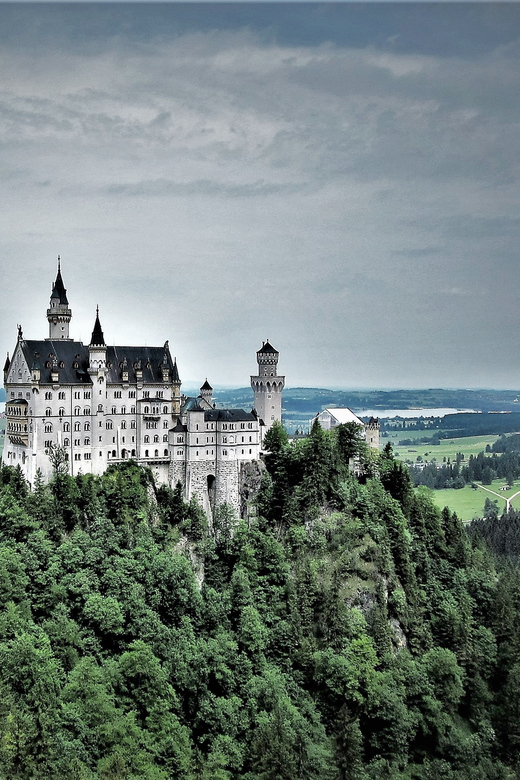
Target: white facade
point(331, 418)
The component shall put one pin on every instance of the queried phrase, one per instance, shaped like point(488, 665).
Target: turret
point(268, 385)
point(97, 349)
point(206, 393)
point(6, 367)
point(59, 314)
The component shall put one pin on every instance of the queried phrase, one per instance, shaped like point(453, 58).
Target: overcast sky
point(342, 179)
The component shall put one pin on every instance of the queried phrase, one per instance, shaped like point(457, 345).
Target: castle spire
point(59, 314)
point(97, 338)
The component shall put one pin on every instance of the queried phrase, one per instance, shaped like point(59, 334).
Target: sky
point(339, 178)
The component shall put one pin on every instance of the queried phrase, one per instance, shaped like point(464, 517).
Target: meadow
point(447, 448)
point(469, 503)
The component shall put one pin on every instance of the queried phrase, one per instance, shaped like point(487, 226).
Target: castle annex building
point(106, 404)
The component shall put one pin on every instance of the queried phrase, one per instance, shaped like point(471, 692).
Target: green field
point(448, 448)
point(469, 503)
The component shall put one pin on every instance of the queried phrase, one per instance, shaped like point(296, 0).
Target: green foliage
point(351, 631)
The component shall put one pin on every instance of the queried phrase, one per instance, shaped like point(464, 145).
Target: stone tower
point(267, 386)
point(58, 314)
point(97, 350)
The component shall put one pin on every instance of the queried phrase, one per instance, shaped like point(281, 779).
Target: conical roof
point(58, 288)
point(266, 347)
point(206, 386)
point(97, 337)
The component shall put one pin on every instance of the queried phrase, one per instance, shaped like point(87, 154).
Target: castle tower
point(58, 314)
point(206, 393)
point(97, 350)
point(268, 385)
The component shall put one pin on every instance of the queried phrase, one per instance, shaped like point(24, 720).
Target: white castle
point(107, 404)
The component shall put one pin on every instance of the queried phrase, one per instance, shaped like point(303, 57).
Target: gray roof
point(58, 289)
point(266, 347)
point(228, 415)
point(73, 359)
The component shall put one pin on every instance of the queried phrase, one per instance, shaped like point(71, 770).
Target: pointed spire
point(58, 288)
point(7, 363)
point(97, 338)
point(206, 385)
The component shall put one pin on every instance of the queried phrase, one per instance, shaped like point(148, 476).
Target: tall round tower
point(59, 314)
point(268, 385)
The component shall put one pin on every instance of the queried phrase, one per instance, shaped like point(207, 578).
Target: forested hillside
point(348, 631)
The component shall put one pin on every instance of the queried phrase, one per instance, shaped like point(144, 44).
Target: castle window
point(165, 437)
point(66, 427)
point(114, 453)
point(87, 441)
point(109, 425)
point(123, 424)
point(146, 394)
point(48, 428)
point(87, 455)
point(224, 440)
point(47, 444)
point(132, 410)
point(132, 424)
point(156, 453)
point(147, 440)
point(146, 453)
point(242, 425)
point(114, 410)
point(100, 407)
point(242, 452)
point(165, 424)
point(86, 394)
point(61, 411)
point(156, 439)
point(61, 396)
point(179, 452)
point(123, 410)
point(86, 426)
point(77, 442)
point(165, 410)
point(117, 394)
point(147, 410)
point(77, 410)
point(62, 364)
point(77, 426)
point(133, 453)
point(180, 439)
point(77, 394)
point(86, 410)
point(159, 394)
point(48, 412)
point(250, 451)
point(165, 453)
point(249, 425)
point(131, 393)
point(250, 438)
point(224, 452)
point(66, 442)
point(48, 396)
point(100, 454)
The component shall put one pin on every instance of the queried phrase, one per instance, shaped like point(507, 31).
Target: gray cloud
point(210, 186)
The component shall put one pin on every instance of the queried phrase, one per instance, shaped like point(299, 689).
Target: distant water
point(408, 413)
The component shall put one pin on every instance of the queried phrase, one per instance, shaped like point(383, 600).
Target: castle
point(105, 404)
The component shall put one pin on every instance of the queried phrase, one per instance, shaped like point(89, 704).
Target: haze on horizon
point(342, 179)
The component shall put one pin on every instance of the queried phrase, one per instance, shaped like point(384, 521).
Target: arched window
point(156, 453)
point(123, 410)
point(114, 453)
point(165, 453)
point(114, 410)
point(77, 410)
point(77, 426)
point(165, 437)
point(147, 440)
point(48, 412)
point(156, 439)
point(109, 425)
point(66, 442)
point(86, 427)
point(165, 410)
point(62, 411)
point(48, 427)
point(133, 453)
point(48, 396)
point(132, 410)
point(123, 424)
point(61, 396)
point(66, 427)
point(132, 424)
point(87, 441)
point(86, 410)
point(147, 410)
point(100, 407)
point(146, 453)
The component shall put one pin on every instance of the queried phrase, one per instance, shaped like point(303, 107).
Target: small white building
point(331, 418)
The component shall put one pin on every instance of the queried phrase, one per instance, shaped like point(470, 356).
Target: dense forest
point(346, 631)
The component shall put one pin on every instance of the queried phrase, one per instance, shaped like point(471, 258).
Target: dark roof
point(58, 288)
point(228, 415)
point(73, 360)
point(97, 337)
point(266, 347)
point(192, 405)
point(73, 355)
point(179, 427)
point(7, 363)
point(206, 386)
